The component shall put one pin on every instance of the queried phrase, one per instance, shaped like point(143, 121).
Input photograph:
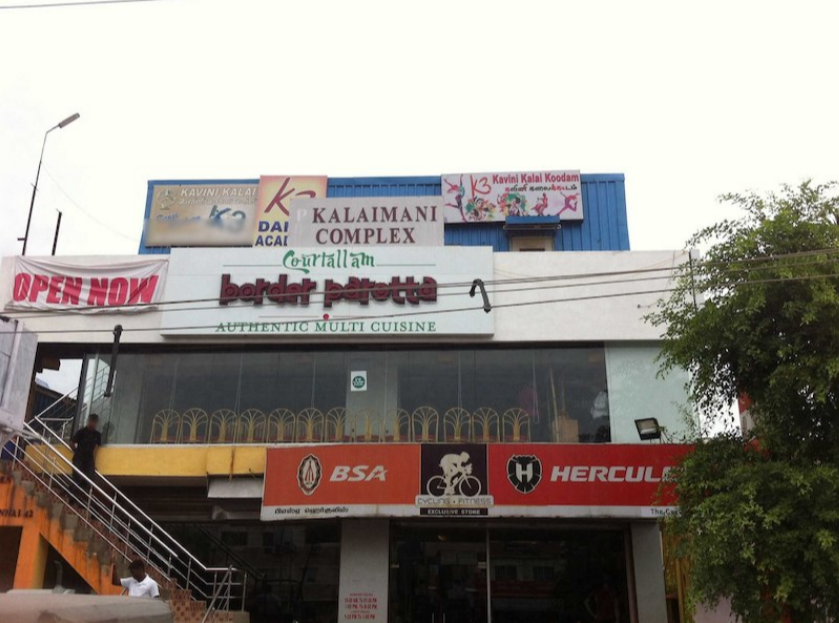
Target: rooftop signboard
point(492, 197)
point(367, 221)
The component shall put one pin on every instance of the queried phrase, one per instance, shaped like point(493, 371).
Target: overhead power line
point(27, 314)
point(431, 312)
point(133, 239)
point(61, 5)
point(672, 269)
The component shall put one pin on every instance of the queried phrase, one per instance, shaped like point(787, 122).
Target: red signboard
point(468, 480)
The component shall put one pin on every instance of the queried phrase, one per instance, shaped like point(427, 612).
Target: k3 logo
point(524, 471)
point(309, 474)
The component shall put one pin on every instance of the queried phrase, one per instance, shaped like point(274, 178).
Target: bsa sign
point(492, 197)
point(469, 480)
point(200, 214)
point(368, 221)
point(346, 480)
point(125, 287)
point(318, 292)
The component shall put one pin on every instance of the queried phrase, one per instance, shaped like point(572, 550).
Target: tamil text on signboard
point(492, 197)
point(468, 480)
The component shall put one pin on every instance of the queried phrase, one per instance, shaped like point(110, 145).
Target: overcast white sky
point(687, 101)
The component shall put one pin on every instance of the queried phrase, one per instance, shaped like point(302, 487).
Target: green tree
point(759, 316)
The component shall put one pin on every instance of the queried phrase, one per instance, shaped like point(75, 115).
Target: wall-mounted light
point(648, 428)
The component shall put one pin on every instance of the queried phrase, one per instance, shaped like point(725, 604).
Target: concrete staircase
point(85, 543)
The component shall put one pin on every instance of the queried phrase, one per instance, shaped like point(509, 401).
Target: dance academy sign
point(343, 291)
point(492, 197)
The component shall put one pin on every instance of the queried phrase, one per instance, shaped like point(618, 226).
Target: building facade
point(435, 421)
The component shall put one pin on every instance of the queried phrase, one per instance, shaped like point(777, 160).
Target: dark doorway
point(9, 545)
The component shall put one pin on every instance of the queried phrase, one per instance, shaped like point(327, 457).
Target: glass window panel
point(330, 382)
point(272, 380)
point(208, 381)
point(428, 379)
point(558, 575)
point(555, 395)
point(633, 379)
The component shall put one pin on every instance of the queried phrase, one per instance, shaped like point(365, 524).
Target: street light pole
point(60, 125)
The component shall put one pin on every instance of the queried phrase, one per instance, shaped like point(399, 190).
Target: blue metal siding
point(477, 235)
point(604, 227)
point(383, 186)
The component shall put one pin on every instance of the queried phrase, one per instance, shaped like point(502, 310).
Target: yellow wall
point(177, 460)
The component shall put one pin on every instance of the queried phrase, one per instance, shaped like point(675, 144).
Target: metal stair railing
point(41, 462)
point(59, 416)
point(115, 519)
point(129, 528)
point(239, 561)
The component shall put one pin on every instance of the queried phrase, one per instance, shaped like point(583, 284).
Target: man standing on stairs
point(84, 443)
point(139, 584)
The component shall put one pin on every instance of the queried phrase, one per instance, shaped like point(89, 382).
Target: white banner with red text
point(46, 284)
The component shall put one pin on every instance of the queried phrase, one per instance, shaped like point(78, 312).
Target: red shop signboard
point(468, 480)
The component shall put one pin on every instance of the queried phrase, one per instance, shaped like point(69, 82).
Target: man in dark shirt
point(84, 444)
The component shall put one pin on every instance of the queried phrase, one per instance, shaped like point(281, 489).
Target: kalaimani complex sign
point(367, 221)
point(310, 291)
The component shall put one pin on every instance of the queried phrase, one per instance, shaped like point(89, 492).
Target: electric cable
point(412, 314)
point(72, 3)
point(673, 269)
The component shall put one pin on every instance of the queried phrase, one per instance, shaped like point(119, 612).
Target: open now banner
point(469, 480)
point(51, 285)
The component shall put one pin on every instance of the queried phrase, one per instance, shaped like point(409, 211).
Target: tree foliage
point(759, 315)
point(762, 532)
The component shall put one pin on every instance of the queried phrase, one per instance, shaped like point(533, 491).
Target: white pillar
point(648, 565)
point(365, 566)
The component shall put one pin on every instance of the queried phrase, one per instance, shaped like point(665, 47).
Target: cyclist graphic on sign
point(457, 478)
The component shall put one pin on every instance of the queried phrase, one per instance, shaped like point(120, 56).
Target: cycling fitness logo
point(309, 474)
point(524, 471)
point(453, 481)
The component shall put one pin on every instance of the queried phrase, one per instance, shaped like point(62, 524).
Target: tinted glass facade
point(471, 394)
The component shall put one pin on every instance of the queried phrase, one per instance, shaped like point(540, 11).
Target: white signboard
point(492, 197)
point(366, 221)
point(316, 292)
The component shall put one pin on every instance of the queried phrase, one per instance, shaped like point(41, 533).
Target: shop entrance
point(438, 574)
